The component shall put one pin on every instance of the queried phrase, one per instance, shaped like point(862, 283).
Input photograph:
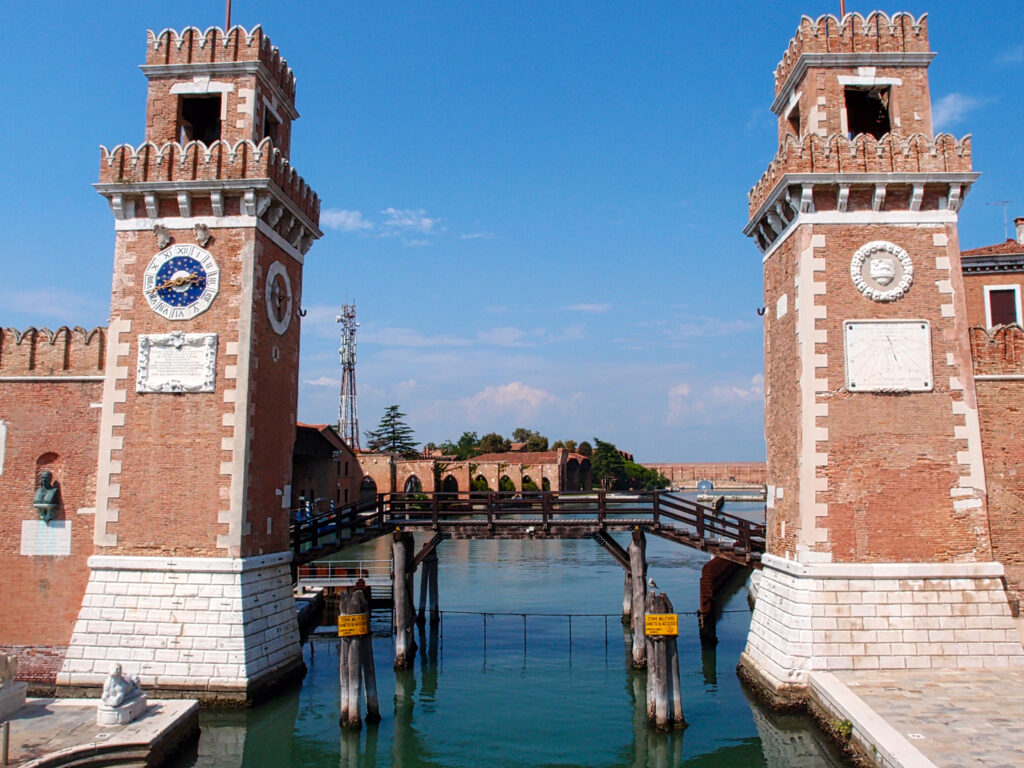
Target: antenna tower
point(348, 412)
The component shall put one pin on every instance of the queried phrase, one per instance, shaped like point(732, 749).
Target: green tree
point(492, 442)
point(584, 449)
point(609, 466)
point(463, 448)
point(392, 435)
point(534, 440)
point(642, 478)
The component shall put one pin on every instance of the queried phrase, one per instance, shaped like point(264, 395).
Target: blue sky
point(536, 206)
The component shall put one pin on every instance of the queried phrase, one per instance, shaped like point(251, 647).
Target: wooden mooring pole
point(405, 612)
point(428, 589)
point(664, 696)
point(638, 575)
point(356, 671)
point(627, 600)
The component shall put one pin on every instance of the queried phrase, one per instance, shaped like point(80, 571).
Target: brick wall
point(171, 487)
point(974, 291)
point(54, 425)
point(1001, 413)
point(720, 473)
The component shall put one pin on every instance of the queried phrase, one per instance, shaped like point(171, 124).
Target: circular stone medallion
point(882, 271)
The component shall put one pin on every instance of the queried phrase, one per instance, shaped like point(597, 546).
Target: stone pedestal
point(122, 714)
point(834, 617)
point(210, 628)
point(12, 699)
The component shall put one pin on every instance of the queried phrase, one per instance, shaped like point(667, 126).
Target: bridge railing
point(347, 570)
point(499, 509)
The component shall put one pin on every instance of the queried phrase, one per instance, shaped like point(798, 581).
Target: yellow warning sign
point(354, 625)
point(661, 624)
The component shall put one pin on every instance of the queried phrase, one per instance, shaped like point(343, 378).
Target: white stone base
point(202, 624)
point(123, 713)
point(834, 616)
point(12, 699)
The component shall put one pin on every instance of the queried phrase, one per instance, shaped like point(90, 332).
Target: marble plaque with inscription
point(888, 355)
point(177, 362)
point(46, 539)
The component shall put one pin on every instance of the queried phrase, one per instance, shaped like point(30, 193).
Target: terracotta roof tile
point(1009, 248)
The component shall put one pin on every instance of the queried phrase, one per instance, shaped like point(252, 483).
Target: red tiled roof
point(1007, 248)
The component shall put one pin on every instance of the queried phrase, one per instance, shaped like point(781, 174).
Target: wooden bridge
point(536, 515)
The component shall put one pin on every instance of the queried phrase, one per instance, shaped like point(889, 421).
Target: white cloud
point(678, 402)
point(718, 401)
point(952, 108)
point(515, 398)
point(322, 381)
point(414, 219)
point(477, 236)
point(509, 336)
point(1013, 56)
point(597, 308)
point(346, 221)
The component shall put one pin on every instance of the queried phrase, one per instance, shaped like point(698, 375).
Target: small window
point(346, 469)
point(271, 127)
point(1002, 305)
point(200, 118)
point(794, 121)
point(346, 495)
point(867, 111)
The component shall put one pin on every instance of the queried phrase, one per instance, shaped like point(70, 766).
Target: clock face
point(279, 297)
point(888, 355)
point(181, 282)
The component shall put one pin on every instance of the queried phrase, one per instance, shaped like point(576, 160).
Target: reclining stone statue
point(118, 689)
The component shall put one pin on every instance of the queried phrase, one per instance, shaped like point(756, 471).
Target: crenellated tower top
point(854, 34)
point(212, 85)
point(855, 129)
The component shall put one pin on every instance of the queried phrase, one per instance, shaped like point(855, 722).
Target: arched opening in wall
point(480, 484)
point(52, 466)
point(505, 484)
point(367, 489)
point(586, 475)
point(413, 485)
point(449, 484)
point(529, 485)
point(545, 484)
point(572, 475)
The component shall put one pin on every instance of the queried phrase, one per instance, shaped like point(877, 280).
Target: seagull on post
point(651, 584)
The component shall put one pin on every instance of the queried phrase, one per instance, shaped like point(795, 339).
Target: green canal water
point(482, 696)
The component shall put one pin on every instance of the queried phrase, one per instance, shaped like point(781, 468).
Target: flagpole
point(227, 18)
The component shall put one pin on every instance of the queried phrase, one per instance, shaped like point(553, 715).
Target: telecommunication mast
point(348, 411)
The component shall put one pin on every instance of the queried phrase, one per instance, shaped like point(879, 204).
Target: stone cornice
point(846, 60)
point(261, 198)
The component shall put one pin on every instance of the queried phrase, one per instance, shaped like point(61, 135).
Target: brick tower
point(878, 535)
point(189, 585)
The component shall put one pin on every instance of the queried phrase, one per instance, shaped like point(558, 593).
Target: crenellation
point(220, 161)
point(61, 352)
point(192, 46)
point(854, 33)
point(863, 154)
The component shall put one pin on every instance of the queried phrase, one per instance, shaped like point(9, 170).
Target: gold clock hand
point(175, 282)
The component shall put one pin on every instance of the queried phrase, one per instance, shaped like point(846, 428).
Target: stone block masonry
point(215, 628)
point(837, 617)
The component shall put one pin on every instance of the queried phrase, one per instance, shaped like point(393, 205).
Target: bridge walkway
point(536, 515)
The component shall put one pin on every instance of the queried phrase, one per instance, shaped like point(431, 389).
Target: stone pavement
point(45, 727)
point(963, 718)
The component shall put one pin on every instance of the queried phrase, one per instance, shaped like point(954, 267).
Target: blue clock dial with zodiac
point(181, 282)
